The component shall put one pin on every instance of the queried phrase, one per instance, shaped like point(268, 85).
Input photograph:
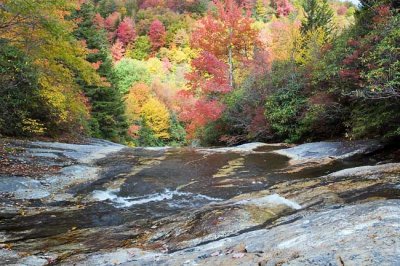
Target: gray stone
point(14, 183)
point(347, 217)
point(363, 234)
point(31, 194)
point(322, 150)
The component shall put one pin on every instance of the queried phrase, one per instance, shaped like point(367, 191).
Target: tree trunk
point(230, 63)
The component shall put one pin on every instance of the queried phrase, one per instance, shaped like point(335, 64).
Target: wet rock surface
point(107, 204)
point(334, 150)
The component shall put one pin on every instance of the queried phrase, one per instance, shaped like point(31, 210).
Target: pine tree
point(318, 14)
point(107, 108)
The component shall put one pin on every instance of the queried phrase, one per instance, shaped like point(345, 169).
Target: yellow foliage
point(261, 9)
point(157, 118)
point(282, 37)
point(310, 46)
point(138, 95)
point(32, 126)
point(39, 28)
point(178, 55)
point(155, 67)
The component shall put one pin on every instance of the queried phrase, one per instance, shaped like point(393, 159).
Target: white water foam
point(274, 199)
point(111, 195)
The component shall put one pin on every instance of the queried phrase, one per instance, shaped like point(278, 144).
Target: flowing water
point(143, 185)
point(150, 184)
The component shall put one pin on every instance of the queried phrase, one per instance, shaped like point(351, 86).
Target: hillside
point(168, 72)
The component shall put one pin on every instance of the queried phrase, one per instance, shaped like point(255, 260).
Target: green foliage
point(198, 7)
point(283, 110)
point(212, 133)
point(107, 7)
point(382, 71)
point(376, 119)
point(363, 68)
point(318, 14)
point(108, 114)
point(129, 71)
point(141, 50)
point(147, 136)
point(177, 132)
point(108, 120)
point(322, 121)
point(22, 110)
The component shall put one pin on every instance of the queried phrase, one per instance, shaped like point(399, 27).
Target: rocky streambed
point(325, 203)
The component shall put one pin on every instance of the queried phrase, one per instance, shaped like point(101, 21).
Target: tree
point(209, 75)
point(197, 113)
point(157, 118)
point(40, 30)
point(157, 35)
point(318, 14)
point(117, 51)
point(130, 71)
point(225, 38)
point(107, 107)
point(126, 31)
point(283, 7)
point(111, 22)
point(227, 34)
point(99, 21)
point(141, 50)
point(261, 10)
point(21, 106)
point(138, 95)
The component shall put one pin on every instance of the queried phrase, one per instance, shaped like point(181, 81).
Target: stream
point(142, 189)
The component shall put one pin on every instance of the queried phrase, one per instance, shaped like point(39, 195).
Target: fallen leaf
point(238, 255)
point(216, 253)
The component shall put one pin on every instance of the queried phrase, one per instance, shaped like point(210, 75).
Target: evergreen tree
point(108, 119)
point(318, 14)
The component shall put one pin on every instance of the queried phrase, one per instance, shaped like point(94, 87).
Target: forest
point(200, 72)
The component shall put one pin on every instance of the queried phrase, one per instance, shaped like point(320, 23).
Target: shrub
point(22, 110)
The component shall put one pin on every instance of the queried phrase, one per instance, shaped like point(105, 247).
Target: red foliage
point(228, 28)
point(178, 5)
point(117, 51)
point(111, 36)
point(111, 22)
point(218, 33)
point(202, 112)
point(341, 10)
point(382, 14)
point(165, 94)
point(350, 74)
point(352, 57)
point(283, 7)
point(262, 63)
point(99, 21)
point(126, 31)
point(353, 43)
point(246, 4)
point(167, 65)
point(157, 35)
point(133, 131)
point(259, 124)
point(152, 3)
point(97, 65)
point(209, 75)
point(326, 47)
point(321, 98)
